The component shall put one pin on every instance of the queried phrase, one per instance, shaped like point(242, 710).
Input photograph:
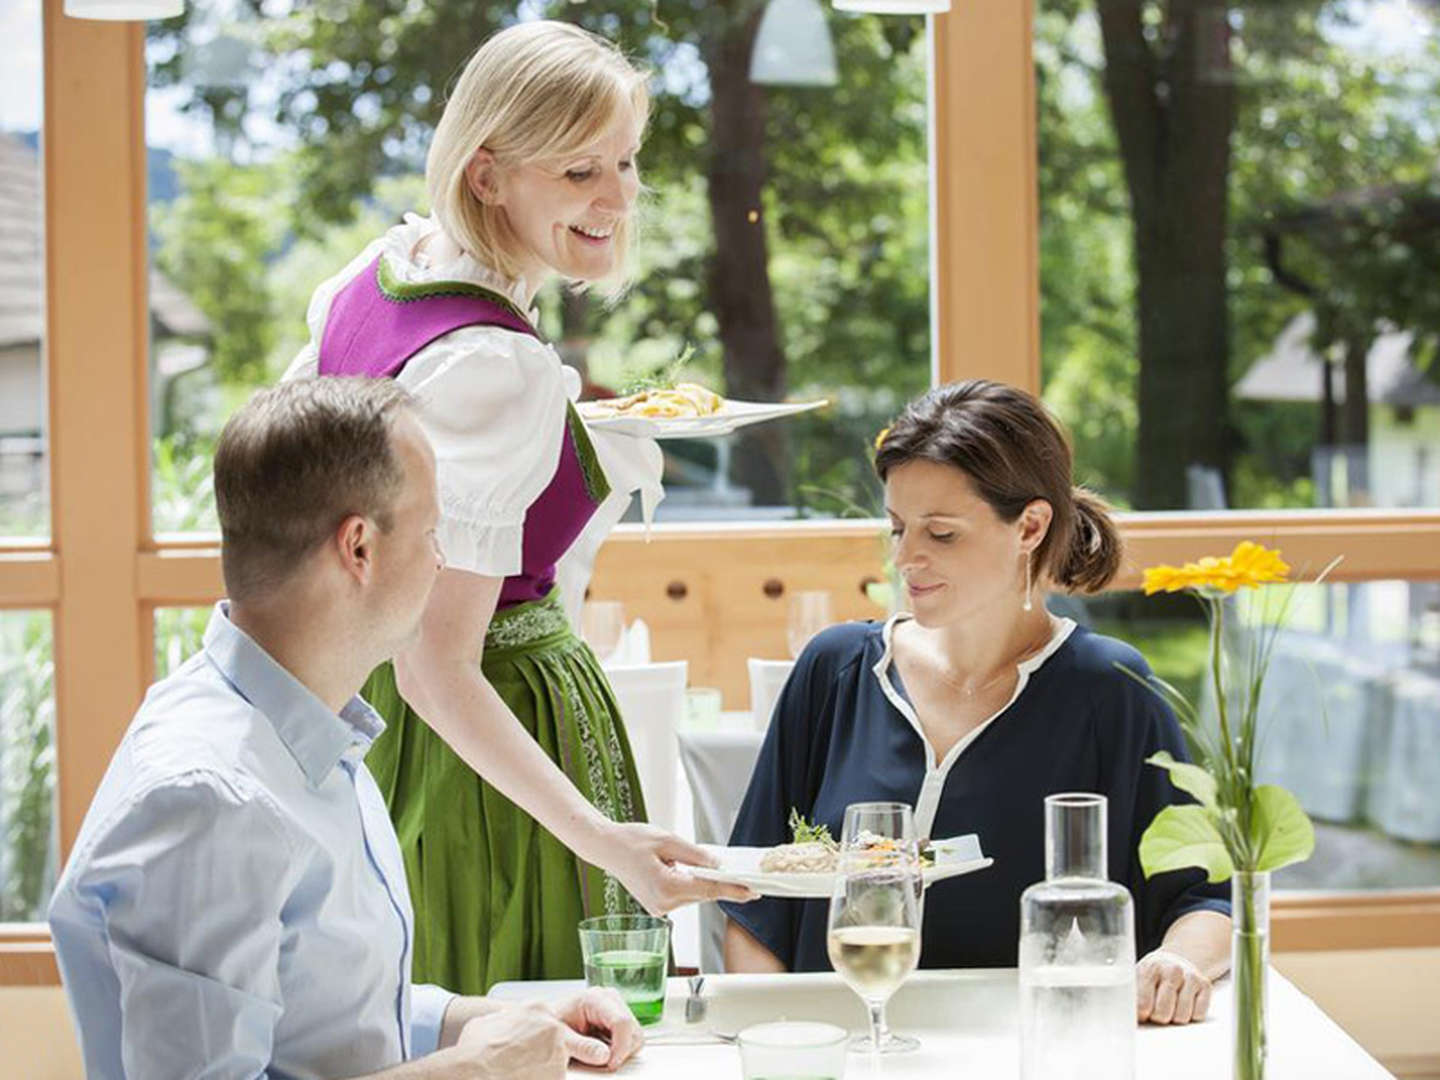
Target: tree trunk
point(1355, 421)
point(1174, 109)
point(740, 274)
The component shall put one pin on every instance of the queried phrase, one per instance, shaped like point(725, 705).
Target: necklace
point(1005, 670)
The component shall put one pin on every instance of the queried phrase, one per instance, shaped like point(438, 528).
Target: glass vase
point(1077, 954)
point(1249, 967)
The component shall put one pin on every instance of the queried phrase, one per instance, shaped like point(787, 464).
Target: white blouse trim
point(927, 801)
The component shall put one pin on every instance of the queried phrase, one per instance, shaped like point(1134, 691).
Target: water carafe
point(1077, 954)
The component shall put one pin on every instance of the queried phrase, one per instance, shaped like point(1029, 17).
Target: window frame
point(103, 572)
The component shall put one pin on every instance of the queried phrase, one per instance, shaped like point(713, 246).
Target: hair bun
point(1095, 546)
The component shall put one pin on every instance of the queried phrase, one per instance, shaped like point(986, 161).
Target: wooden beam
point(985, 282)
point(96, 355)
point(29, 579)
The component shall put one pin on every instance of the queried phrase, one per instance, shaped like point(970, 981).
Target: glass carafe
point(1077, 954)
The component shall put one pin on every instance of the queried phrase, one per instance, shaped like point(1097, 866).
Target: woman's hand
point(1170, 989)
point(650, 863)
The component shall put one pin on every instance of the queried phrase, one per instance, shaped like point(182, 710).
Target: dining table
point(967, 1022)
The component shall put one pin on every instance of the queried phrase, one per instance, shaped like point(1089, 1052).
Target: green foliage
point(27, 765)
point(1280, 833)
point(1181, 837)
point(214, 242)
point(179, 635)
point(1333, 148)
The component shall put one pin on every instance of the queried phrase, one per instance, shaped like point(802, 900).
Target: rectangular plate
point(741, 866)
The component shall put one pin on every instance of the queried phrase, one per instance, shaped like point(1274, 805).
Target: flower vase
point(1249, 968)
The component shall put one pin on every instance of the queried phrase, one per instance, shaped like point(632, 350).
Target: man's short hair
point(293, 463)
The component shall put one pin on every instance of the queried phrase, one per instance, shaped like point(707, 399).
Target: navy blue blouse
point(841, 734)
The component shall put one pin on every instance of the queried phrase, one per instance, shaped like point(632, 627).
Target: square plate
point(732, 415)
point(741, 866)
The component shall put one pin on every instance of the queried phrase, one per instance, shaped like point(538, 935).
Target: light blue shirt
point(235, 904)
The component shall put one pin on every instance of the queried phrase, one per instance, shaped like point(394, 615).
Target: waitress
point(505, 761)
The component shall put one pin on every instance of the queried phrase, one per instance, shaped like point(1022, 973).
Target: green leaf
point(1280, 833)
point(1191, 779)
point(1181, 837)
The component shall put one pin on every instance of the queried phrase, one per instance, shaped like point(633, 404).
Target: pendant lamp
point(793, 46)
point(124, 9)
point(893, 7)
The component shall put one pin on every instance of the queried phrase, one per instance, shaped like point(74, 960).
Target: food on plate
point(812, 850)
point(681, 400)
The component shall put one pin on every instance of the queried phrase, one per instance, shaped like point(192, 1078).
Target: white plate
point(732, 415)
point(741, 866)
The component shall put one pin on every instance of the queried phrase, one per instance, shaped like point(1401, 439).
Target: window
point(1350, 720)
point(785, 246)
point(179, 635)
point(1239, 230)
point(24, 466)
point(28, 846)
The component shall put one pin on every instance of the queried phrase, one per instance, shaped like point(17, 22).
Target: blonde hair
point(534, 91)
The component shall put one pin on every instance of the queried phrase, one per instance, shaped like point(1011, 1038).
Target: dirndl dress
point(496, 896)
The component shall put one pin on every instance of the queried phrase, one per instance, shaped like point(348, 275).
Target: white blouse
point(493, 403)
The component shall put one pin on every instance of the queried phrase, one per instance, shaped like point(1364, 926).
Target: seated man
point(235, 904)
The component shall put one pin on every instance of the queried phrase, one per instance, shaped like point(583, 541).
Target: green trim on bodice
point(392, 288)
point(597, 485)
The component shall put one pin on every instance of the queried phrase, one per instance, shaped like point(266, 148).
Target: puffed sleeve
point(785, 777)
point(493, 404)
point(1143, 790)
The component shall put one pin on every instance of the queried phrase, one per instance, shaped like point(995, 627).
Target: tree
point(1312, 120)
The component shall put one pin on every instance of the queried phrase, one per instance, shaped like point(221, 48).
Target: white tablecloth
point(966, 1022)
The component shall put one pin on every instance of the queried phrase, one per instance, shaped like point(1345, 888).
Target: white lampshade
point(893, 7)
point(793, 46)
point(124, 9)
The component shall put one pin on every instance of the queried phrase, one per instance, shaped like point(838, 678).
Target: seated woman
point(979, 704)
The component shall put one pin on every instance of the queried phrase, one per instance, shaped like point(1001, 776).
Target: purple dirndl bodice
point(375, 326)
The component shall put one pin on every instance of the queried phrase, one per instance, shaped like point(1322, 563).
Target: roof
point(1291, 370)
point(22, 271)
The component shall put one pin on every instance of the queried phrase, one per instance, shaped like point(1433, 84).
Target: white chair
point(652, 702)
point(767, 679)
point(718, 765)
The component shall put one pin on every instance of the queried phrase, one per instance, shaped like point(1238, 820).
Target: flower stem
point(1251, 939)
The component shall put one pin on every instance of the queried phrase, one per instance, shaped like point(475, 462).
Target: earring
point(1027, 606)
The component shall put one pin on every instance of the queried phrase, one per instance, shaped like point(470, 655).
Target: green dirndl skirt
point(496, 896)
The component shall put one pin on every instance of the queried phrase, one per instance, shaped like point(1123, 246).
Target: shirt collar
point(1063, 629)
point(316, 737)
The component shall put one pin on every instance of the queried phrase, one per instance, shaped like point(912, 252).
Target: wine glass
point(602, 625)
point(874, 927)
point(809, 614)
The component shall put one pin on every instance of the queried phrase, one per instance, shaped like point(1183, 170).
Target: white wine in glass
point(874, 960)
point(874, 930)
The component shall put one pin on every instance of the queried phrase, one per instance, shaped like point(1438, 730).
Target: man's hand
point(523, 1042)
point(1169, 989)
point(601, 1030)
point(649, 862)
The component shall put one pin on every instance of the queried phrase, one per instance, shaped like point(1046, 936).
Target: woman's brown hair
point(1014, 452)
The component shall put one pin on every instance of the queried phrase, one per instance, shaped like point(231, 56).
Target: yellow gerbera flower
point(1248, 566)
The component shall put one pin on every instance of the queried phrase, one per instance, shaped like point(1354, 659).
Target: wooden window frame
point(103, 571)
